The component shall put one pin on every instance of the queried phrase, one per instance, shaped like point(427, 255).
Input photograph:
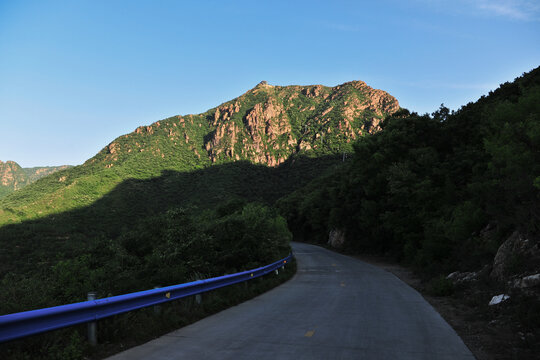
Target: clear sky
point(74, 75)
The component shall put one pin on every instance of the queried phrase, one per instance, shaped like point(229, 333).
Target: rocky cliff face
point(287, 120)
point(12, 176)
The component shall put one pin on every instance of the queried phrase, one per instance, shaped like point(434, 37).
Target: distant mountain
point(14, 177)
point(36, 173)
point(267, 125)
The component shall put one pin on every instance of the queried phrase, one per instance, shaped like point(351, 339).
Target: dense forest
point(424, 188)
point(455, 196)
point(179, 245)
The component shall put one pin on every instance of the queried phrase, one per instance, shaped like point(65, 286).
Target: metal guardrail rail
point(22, 324)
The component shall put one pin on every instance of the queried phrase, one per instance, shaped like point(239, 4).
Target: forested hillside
point(456, 197)
point(424, 187)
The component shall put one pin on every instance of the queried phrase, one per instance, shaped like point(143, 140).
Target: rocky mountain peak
point(263, 85)
point(11, 175)
point(290, 119)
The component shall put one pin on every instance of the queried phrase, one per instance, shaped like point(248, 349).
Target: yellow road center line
point(342, 284)
point(334, 265)
point(310, 333)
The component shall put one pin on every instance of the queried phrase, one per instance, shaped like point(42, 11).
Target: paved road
point(335, 307)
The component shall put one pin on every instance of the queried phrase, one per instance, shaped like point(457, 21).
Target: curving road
point(335, 307)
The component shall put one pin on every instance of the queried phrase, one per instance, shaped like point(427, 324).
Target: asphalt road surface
point(335, 307)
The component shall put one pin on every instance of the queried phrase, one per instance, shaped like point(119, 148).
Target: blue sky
point(74, 75)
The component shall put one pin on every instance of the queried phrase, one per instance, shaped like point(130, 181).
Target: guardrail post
point(157, 308)
point(92, 326)
point(198, 297)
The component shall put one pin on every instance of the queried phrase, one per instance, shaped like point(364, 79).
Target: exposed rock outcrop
point(458, 277)
point(517, 248)
point(466, 277)
point(268, 132)
point(527, 281)
point(336, 238)
point(12, 175)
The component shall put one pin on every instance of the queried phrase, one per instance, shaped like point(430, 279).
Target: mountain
point(14, 177)
point(266, 125)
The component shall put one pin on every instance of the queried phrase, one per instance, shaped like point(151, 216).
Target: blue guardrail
point(18, 325)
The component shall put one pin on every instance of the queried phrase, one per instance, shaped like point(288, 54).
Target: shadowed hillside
point(32, 247)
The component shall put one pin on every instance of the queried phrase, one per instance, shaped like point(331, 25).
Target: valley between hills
point(193, 196)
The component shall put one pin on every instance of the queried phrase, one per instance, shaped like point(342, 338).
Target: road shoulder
point(485, 337)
